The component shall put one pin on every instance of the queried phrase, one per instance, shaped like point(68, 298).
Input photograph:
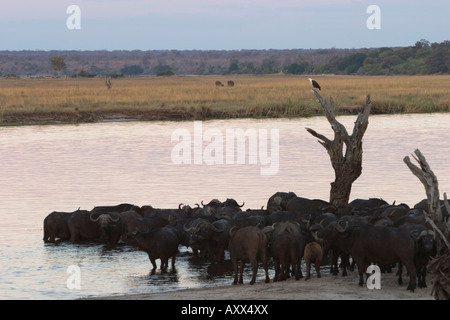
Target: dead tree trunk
point(430, 182)
point(439, 267)
point(347, 164)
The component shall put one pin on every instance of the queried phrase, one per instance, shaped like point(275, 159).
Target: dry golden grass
point(194, 97)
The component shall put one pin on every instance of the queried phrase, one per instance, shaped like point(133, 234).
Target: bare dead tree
point(108, 83)
point(439, 267)
point(430, 182)
point(345, 150)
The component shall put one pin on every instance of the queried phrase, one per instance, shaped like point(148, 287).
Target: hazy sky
point(219, 24)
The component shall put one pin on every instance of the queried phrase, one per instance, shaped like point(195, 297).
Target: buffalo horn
point(215, 229)
point(191, 229)
point(92, 218)
point(112, 219)
point(342, 228)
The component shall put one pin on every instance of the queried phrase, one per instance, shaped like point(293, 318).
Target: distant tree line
point(421, 58)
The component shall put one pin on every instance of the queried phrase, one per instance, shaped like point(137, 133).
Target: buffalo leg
point(412, 276)
point(266, 270)
point(283, 271)
point(277, 270)
point(241, 271)
point(299, 268)
point(317, 266)
point(235, 268)
point(265, 266)
point(173, 262)
point(421, 276)
point(345, 261)
point(362, 267)
point(153, 262)
point(308, 270)
point(254, 264)
point(295, 271)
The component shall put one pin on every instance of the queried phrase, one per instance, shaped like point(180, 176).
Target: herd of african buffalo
point(289, 230)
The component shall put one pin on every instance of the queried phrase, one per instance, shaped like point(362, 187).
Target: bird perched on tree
point(314, 83)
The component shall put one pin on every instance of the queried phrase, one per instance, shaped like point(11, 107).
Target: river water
point(64, 167)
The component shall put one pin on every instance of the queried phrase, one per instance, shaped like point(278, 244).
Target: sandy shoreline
point(329, 287)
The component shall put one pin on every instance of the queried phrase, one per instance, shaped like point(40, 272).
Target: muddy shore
point(328, 287)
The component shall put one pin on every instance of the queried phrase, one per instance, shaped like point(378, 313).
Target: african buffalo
point(168, 214)
point(367, 243)
point(161, 243)
point(96, 211)
point(277, 202)
point(362, 206)
point(313, 254)
point(247, 244)
point(312, 207)
point(191, 229)
point(425, 249)
point(244, 219)
point(212, 237)
point(288, 244)
point(228, 209)
point(81, 227)
point(414, 216)
point(293, 216)
point(110, 226)
point(141, 224)
point(55, 226)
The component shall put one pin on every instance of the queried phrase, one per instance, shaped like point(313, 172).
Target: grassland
point(31, 101)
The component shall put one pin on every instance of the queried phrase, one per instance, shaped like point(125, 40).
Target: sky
point(220, 24)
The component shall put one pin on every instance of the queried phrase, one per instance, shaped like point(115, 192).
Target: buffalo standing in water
point(247, 244)
point(161, 243)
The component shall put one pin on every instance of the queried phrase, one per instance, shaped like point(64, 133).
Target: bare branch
point(363, 120)
point(436, 228)
point(446, 204)
point(319, 136)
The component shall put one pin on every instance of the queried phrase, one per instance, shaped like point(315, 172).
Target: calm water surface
point(61, 168)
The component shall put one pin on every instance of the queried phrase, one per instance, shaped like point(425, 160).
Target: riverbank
point(329, 287)
point(178, 98)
